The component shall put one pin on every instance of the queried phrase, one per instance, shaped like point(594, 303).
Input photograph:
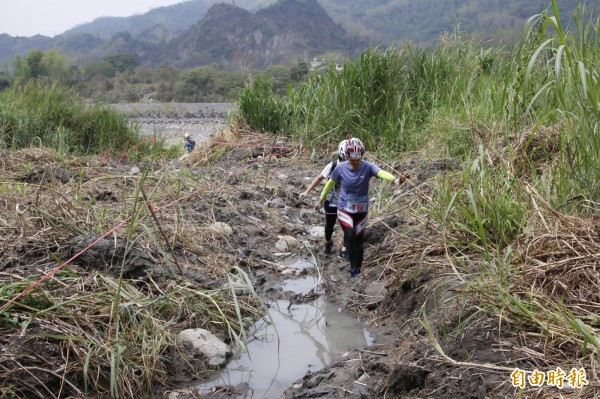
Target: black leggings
point(330, 218)
point(354, 226)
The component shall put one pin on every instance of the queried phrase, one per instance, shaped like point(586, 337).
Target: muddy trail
point(236, 205)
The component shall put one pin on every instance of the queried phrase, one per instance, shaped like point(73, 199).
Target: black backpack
point(333, 165)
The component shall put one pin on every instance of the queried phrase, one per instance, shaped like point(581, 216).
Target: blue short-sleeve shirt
point(354, 185)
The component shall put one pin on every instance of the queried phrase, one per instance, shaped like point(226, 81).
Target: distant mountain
point(260, 32)
point(12, 46)
point(281, 33)
point(175, 19)
point(380, 21)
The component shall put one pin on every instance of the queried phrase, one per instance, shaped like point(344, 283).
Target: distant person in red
point(354, 176)
point(189, 142)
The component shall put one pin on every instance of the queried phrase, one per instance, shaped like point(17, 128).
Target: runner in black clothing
point(330, 204)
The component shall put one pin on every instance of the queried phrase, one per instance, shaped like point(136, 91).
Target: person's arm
point(314, 184)
point(382, 174)
point(327, 189)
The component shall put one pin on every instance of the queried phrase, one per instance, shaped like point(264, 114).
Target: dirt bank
point(428, 342)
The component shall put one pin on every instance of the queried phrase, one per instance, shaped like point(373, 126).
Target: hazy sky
point(53, 17)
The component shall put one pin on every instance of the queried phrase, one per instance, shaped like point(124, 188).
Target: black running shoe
point(328, 245)
point(343, 255)
point(354, 272)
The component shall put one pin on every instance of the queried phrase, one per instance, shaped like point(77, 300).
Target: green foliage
point(56, 118)
point(212, 83)
point(203, 84)
point(5, 80)
point(279, 76)
point(28, 67)
point(299, 71)
point(573, 85)
point(483, 205)
point(99, 68)
point(122, 62)
point(503, 217)
point(119, 78)
point(268, 113)
point(384, 97)
point(47, 66)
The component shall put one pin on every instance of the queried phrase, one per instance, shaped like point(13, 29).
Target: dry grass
point(544, 297)
point(67, 336)
point(98, 332)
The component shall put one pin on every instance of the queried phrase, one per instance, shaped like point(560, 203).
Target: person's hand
point(318, 205)
point(403, 177)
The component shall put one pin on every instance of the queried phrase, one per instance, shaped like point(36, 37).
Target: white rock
point(287, 243)
point(316, 233)
point(200, 345)
point(222, 228)
point(134, 171)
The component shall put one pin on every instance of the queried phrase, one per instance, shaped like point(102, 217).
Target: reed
point(529, 189)
point(36, 115)
point(385, 97)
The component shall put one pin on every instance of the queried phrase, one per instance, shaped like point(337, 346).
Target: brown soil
point(429, 341)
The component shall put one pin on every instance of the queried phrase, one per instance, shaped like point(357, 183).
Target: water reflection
point(305, 337)
point(302, 285)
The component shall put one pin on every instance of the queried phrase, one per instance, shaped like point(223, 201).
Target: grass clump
point(123, 350)
point(52, 116)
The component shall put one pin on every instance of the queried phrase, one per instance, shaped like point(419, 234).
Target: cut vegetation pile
point(106, 321)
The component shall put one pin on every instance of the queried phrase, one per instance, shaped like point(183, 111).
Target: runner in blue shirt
point(189, 142)
point(354, 176)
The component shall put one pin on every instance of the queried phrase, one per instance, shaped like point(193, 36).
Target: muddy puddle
point(292, 340)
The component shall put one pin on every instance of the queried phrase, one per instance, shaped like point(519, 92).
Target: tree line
point(121, 78)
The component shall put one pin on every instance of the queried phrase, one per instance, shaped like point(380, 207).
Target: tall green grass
point(403, 98)
point(534, 180)
point(484, 205)
point(385, 97)
point(575, 84)
point(53, 117)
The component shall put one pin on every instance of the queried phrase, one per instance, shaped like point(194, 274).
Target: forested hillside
point(278, 34)
point(423, 21)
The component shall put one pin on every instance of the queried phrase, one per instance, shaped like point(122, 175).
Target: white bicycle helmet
point(355, 149)
point(342, 150)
